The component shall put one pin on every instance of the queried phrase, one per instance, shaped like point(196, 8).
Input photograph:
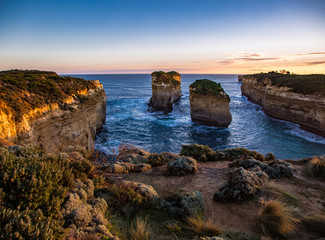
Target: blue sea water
point(128, 121)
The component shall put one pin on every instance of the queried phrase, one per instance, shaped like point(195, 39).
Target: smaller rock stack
point(209, 103)
point(166, 89)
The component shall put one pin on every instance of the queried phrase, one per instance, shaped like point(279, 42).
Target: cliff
point(53, 112)
point(296, 98)
point(209, 103)
point(166, 89)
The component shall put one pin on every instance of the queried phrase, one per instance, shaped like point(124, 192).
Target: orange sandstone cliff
point(53, 112)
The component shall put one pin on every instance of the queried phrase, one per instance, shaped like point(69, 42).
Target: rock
point(83, 216)
point(71, 118)
point(209, 103)
point(279, 168)
point(133, 155)
point(126, 167)
point(288, 97)
point(274, 169)
point(181, 166)
point(144, 189)
point(183, 206)
point(240, 186)
point(166, 89)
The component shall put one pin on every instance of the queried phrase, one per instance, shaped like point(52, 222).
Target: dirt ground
point(234, 216)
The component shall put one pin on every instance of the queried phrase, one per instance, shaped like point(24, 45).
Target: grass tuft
point(316, 168)
point(275, 221)
point(203, 228)
point(140, 230)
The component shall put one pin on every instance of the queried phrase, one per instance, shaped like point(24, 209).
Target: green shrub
point(241, 153)
point(316, 167)
point(156, 160)
point(123, 199)
point(200, 153)
point(28, 224)
point(35, 185)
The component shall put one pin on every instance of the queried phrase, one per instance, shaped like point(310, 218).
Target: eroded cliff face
point(166, 89)
point(209, 106)
point(72, 120)
point(306, 110)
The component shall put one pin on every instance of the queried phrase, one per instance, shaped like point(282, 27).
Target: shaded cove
point(129, 121)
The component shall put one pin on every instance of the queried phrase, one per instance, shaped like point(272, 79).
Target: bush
point(203, 228)
point(241, 153)
point(35, 185)
point(124, 199)
point(275, 221)
point(316, 167)
point(200, 153)
point(156, 160)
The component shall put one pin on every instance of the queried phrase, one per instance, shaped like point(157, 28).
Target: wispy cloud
point(314, 63)
point(247, 57)
point(311, 53)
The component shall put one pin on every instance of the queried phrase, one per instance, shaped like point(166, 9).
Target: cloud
point(311, 53)
point(314, 63)
point(248, 59)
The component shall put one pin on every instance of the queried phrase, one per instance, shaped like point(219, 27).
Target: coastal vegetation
point(206, 87)
point(24, 90)
point(302, 84)
point(70, 195)
point(167, 78)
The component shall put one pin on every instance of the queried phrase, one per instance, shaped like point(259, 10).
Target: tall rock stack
point(209, 103)
point(166, 89)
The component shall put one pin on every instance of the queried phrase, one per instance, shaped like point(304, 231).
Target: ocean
point(129, 121)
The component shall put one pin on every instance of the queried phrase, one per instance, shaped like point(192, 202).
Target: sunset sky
point(189, 36)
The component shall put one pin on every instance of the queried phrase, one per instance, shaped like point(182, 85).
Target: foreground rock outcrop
point(296, 98)
point(53, 112)
point(166, 89)
point(209, 103)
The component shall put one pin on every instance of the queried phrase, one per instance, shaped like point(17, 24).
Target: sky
point(141, 36)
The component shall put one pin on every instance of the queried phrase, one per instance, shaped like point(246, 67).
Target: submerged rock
point(240, 186)
point(209, 103)
point(181, 166)
point(166, 89)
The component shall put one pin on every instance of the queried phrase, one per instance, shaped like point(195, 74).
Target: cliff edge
point(296, 98)
point(53, 112)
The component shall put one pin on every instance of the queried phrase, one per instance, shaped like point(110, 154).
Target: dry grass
point(280, 193)
point(140, 230)
point(275, 221)
point(203, 228)
point(315, 224)
point(316, 168)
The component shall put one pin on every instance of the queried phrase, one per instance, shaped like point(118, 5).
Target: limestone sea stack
point(46, 110)
point(296, 98)
point(166, 89)
point(209, 103)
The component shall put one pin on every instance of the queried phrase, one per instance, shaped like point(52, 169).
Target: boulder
point(240, 186)
point(181, 166)
point(209, 103)
point(166, 89)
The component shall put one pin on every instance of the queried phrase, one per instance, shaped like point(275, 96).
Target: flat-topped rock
point(209, 103)
point(166, 89)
